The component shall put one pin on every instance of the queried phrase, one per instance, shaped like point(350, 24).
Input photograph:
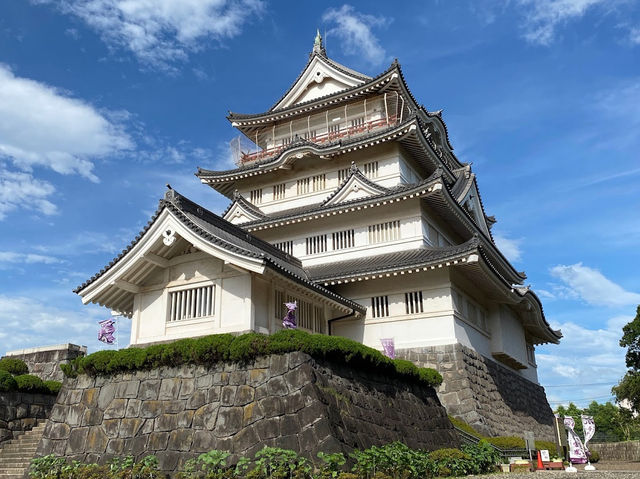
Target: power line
point(569, 385)
point(580, 399)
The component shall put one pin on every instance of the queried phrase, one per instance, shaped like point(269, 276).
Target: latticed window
point(379, 306)
point(370, 169)
point(191, 303)
point(310, 135)
point(255, 196)
point(286, 141)
point(413, 302)
point(343, 239)
point(302, 186)
point(319, 182)
point(334, 129)
point(316, 244)
point(531, 355)
point(343, 174)
point(383, 232)
point(279, 191)
point(286, 246)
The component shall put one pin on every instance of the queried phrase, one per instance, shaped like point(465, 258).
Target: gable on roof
point(320, 77)
point(355, 187)
point(242, 211)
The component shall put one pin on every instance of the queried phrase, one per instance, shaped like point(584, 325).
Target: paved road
point(605, 470)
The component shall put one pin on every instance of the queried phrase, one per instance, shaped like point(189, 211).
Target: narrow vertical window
point(384, 232)
point(319, 182)
point(286, 246)
point(279, 191)
point(413, 302)
point(379, 306)
point(191, 303)
point(370, 169)
point(316, 244)
point(343, 239)
point(255, 196)
point(302, 186)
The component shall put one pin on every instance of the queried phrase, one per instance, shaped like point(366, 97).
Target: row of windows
point(308, 315)
point(312, 183)
point(413, 304)
point(380, 233)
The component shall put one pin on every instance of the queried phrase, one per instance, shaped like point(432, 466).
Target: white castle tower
point(348, 199)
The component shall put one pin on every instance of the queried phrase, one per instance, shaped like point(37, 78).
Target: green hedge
point(503, 442)
point(27, 383)
point(244, 348)
point(13, 366)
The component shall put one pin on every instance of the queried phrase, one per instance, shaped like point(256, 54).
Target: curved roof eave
point(298, 149)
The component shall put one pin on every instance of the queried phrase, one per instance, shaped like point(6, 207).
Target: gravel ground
point(605, 470)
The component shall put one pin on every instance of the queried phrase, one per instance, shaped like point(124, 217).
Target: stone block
point(151, 409)
point(205, 417)
point(166, 422)
point(77, 440)
point(187, 388)
point(127, 389)
point(174, 406)
point(229, 421)
point(136, 445)
point(58, 430)
point(228, 395)
point(111, 427)
point(251, 413)
point(213, 394)
point(203, 441)
point(116, 409)
point(196, 400)
point(149, 389)
point(278, 364)
point(258, 376)
point(96, 440)
point(185, 418)
point(204, 382)
point(272, 406)
point(277, 386)
point(91, 417)
point(180, 440)
point(245, 440)
point(107, 393)
point(268, 428)
point(169, 388)
point(168, 460)
point(115, 447)
point(90, 397)
point(133, 408)
point(129, 427)
point(158, 441)
point(244, 395)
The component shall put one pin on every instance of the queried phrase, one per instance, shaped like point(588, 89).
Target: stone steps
point(16, 454)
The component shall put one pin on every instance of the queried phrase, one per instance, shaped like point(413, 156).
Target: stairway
point(16, 454)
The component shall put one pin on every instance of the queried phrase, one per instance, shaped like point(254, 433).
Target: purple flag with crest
point(107, 328)
point(289, 321)
point(389, 347)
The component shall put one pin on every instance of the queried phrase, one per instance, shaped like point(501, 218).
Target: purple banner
point(388, 347)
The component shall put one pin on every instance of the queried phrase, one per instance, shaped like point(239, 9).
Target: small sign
point(529, 440)
point(544, 455)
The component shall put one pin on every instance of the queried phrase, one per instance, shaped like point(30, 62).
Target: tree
point(629, 386)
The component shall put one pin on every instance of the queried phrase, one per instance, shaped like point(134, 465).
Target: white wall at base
point(508, 334)
point(261, 292)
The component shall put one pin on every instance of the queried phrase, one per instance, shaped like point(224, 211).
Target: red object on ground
point(540, 465)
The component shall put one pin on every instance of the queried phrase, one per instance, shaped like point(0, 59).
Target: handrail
point(366, 127)
point(470, 439)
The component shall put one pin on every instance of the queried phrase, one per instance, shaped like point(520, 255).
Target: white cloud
point(634, 36)
point(590, 360)
point(26, 258)
point(544, 16)
point(353, 29)
point(593, 287)
point(41, 126)
point(510, 247)
point(21, 190)
point(160, 32)
point(28, 322)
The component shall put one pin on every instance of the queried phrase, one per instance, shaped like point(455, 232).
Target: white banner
point(577, 453)
point(589, 427)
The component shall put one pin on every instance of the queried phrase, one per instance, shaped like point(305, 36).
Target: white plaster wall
point(508, 334)
point(260, 296)
point(232, 300)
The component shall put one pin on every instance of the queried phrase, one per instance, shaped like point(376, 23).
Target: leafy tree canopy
point(629, 386)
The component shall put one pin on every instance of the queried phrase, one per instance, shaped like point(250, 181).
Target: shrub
point(210, 465)
point(30, 384)
point(394, 460)
point(243, 348)
point(332, 466)
point(594, 456)
point(14, 366)
point(450, 462)
point(7, 383)
point(276, 463)
point(464, 426)
point(46, 467)
point(53, 386)
point(483, 456)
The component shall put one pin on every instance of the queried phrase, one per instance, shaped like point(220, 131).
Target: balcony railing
point(328, 137)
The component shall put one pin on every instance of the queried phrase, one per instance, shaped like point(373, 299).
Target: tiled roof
point(383, 263)
point(215, 230)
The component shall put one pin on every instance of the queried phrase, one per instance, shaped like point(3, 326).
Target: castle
point(352, 203)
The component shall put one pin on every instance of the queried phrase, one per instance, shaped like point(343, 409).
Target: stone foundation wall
point(45, 361)
point(19, 412)
point(493, 399)
point(290, 401)
point(617, 451)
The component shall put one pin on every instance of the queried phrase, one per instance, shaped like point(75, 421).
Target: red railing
point(366, 127)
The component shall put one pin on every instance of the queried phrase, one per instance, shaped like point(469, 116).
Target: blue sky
point(102, 102)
